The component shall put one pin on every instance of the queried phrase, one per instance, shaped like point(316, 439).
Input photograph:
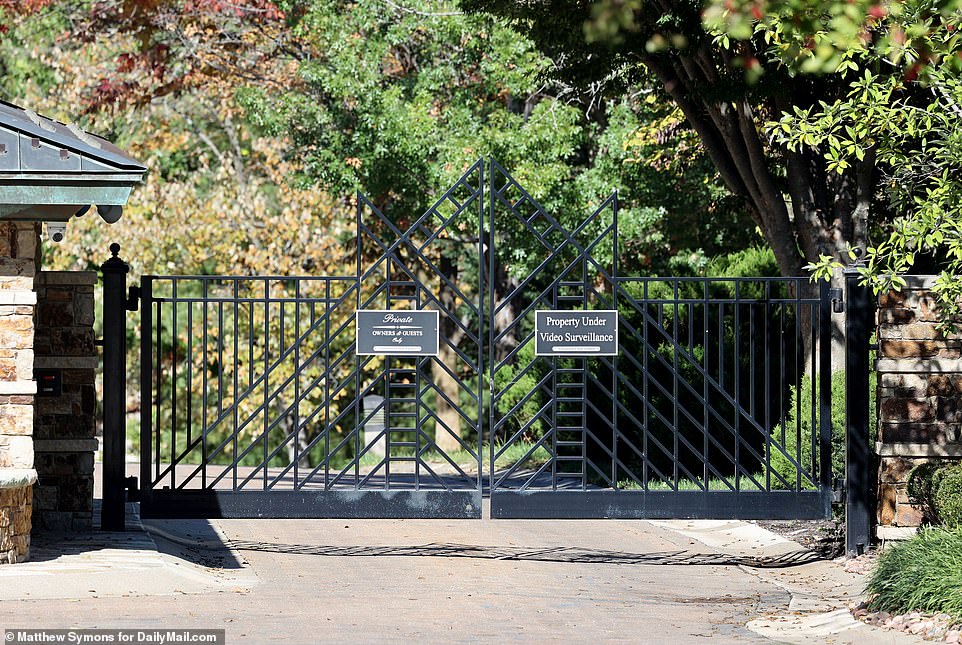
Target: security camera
point(56, 231)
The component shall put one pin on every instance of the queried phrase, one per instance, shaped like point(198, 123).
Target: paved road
point(402, 581)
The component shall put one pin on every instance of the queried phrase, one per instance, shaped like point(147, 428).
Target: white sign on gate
point(397, 332)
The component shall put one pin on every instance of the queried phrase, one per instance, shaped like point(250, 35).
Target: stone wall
point(920, 398)
point(15, 502)
point(19, 256)
point(65, 422)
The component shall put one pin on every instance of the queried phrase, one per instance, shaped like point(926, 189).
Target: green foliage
point(826, 36)
point(755, 261)
point(515, 389)
point(801, 425)
point(920, 488)
point(948, 497)
point(920, 574)
point(936, 488)
point(900, 75)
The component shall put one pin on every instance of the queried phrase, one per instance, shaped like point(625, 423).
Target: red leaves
point(23, 6)
point(258, 10)
point(912, 72)
point(138, 77)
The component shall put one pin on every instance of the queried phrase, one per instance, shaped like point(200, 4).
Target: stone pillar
point(19, 244)
point(920, 398)
point(65, 413)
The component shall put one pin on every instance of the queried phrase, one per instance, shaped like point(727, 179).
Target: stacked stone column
point(19, 252)
point(920, 398)
point(65, 422)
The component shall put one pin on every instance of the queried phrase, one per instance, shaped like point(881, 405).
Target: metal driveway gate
point(257, 403)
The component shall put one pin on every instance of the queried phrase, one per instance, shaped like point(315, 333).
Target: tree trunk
point(446, 372)
point(448, 426)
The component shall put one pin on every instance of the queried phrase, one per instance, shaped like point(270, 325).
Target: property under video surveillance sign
point(576, 333)
point(397, 332)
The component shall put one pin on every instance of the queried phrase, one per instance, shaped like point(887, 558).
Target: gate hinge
point(838, 491)
point(133, 297)
point(838, 303)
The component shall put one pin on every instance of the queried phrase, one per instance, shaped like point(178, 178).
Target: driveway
point(428, 581)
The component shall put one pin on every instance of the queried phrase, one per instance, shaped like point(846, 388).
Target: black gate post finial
point(114, 273)
point(858, 484)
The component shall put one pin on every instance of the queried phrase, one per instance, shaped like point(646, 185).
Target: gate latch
point(133, 297)
point(838, 304)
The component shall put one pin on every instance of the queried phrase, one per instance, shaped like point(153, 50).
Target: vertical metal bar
point(357, 359)
point(766, 309)
point(297, 376)
point(554, 402)
point(389, 427)
point(418, 370)
point(614, 361)
point(220, 357)
point(798, 379)
point(158, 375)
point(189, 394)
point(173, 383)
point(492, 334)
point(235, 402)
point(114, 272)
point(146, 381)
point(813, 361)
point(554, 424)
point(583, 362)
point(721, 379)
point(826, 476)
point(479, 391)
point(676, 448)
point(204, 388)
point(267, 372)
point(814, 416)
point(645, 467)
point(783, 378)
point(736, 363)
point(327, 382)
point(705, 378)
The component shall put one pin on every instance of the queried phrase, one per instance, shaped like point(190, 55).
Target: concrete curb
point(821, 591)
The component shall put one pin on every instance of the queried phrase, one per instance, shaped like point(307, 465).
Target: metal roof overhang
point(51, 171)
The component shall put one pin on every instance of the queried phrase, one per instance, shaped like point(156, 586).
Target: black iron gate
point(256, 404)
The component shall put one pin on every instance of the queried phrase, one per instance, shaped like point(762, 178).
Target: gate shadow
point(558, 554)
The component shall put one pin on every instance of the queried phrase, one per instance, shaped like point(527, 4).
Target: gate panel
point(714, 407)
point(255, 403)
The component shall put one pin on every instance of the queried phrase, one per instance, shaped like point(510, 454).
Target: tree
point(393, 100)
point(803, 208)
point(901, 66)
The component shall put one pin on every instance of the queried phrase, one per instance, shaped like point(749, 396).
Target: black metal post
point(859, 317)
point(114, 273)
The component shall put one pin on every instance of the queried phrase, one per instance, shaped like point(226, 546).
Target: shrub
point(947, 498)
point(920, 574)
point(936, 488)
point(920, 488)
